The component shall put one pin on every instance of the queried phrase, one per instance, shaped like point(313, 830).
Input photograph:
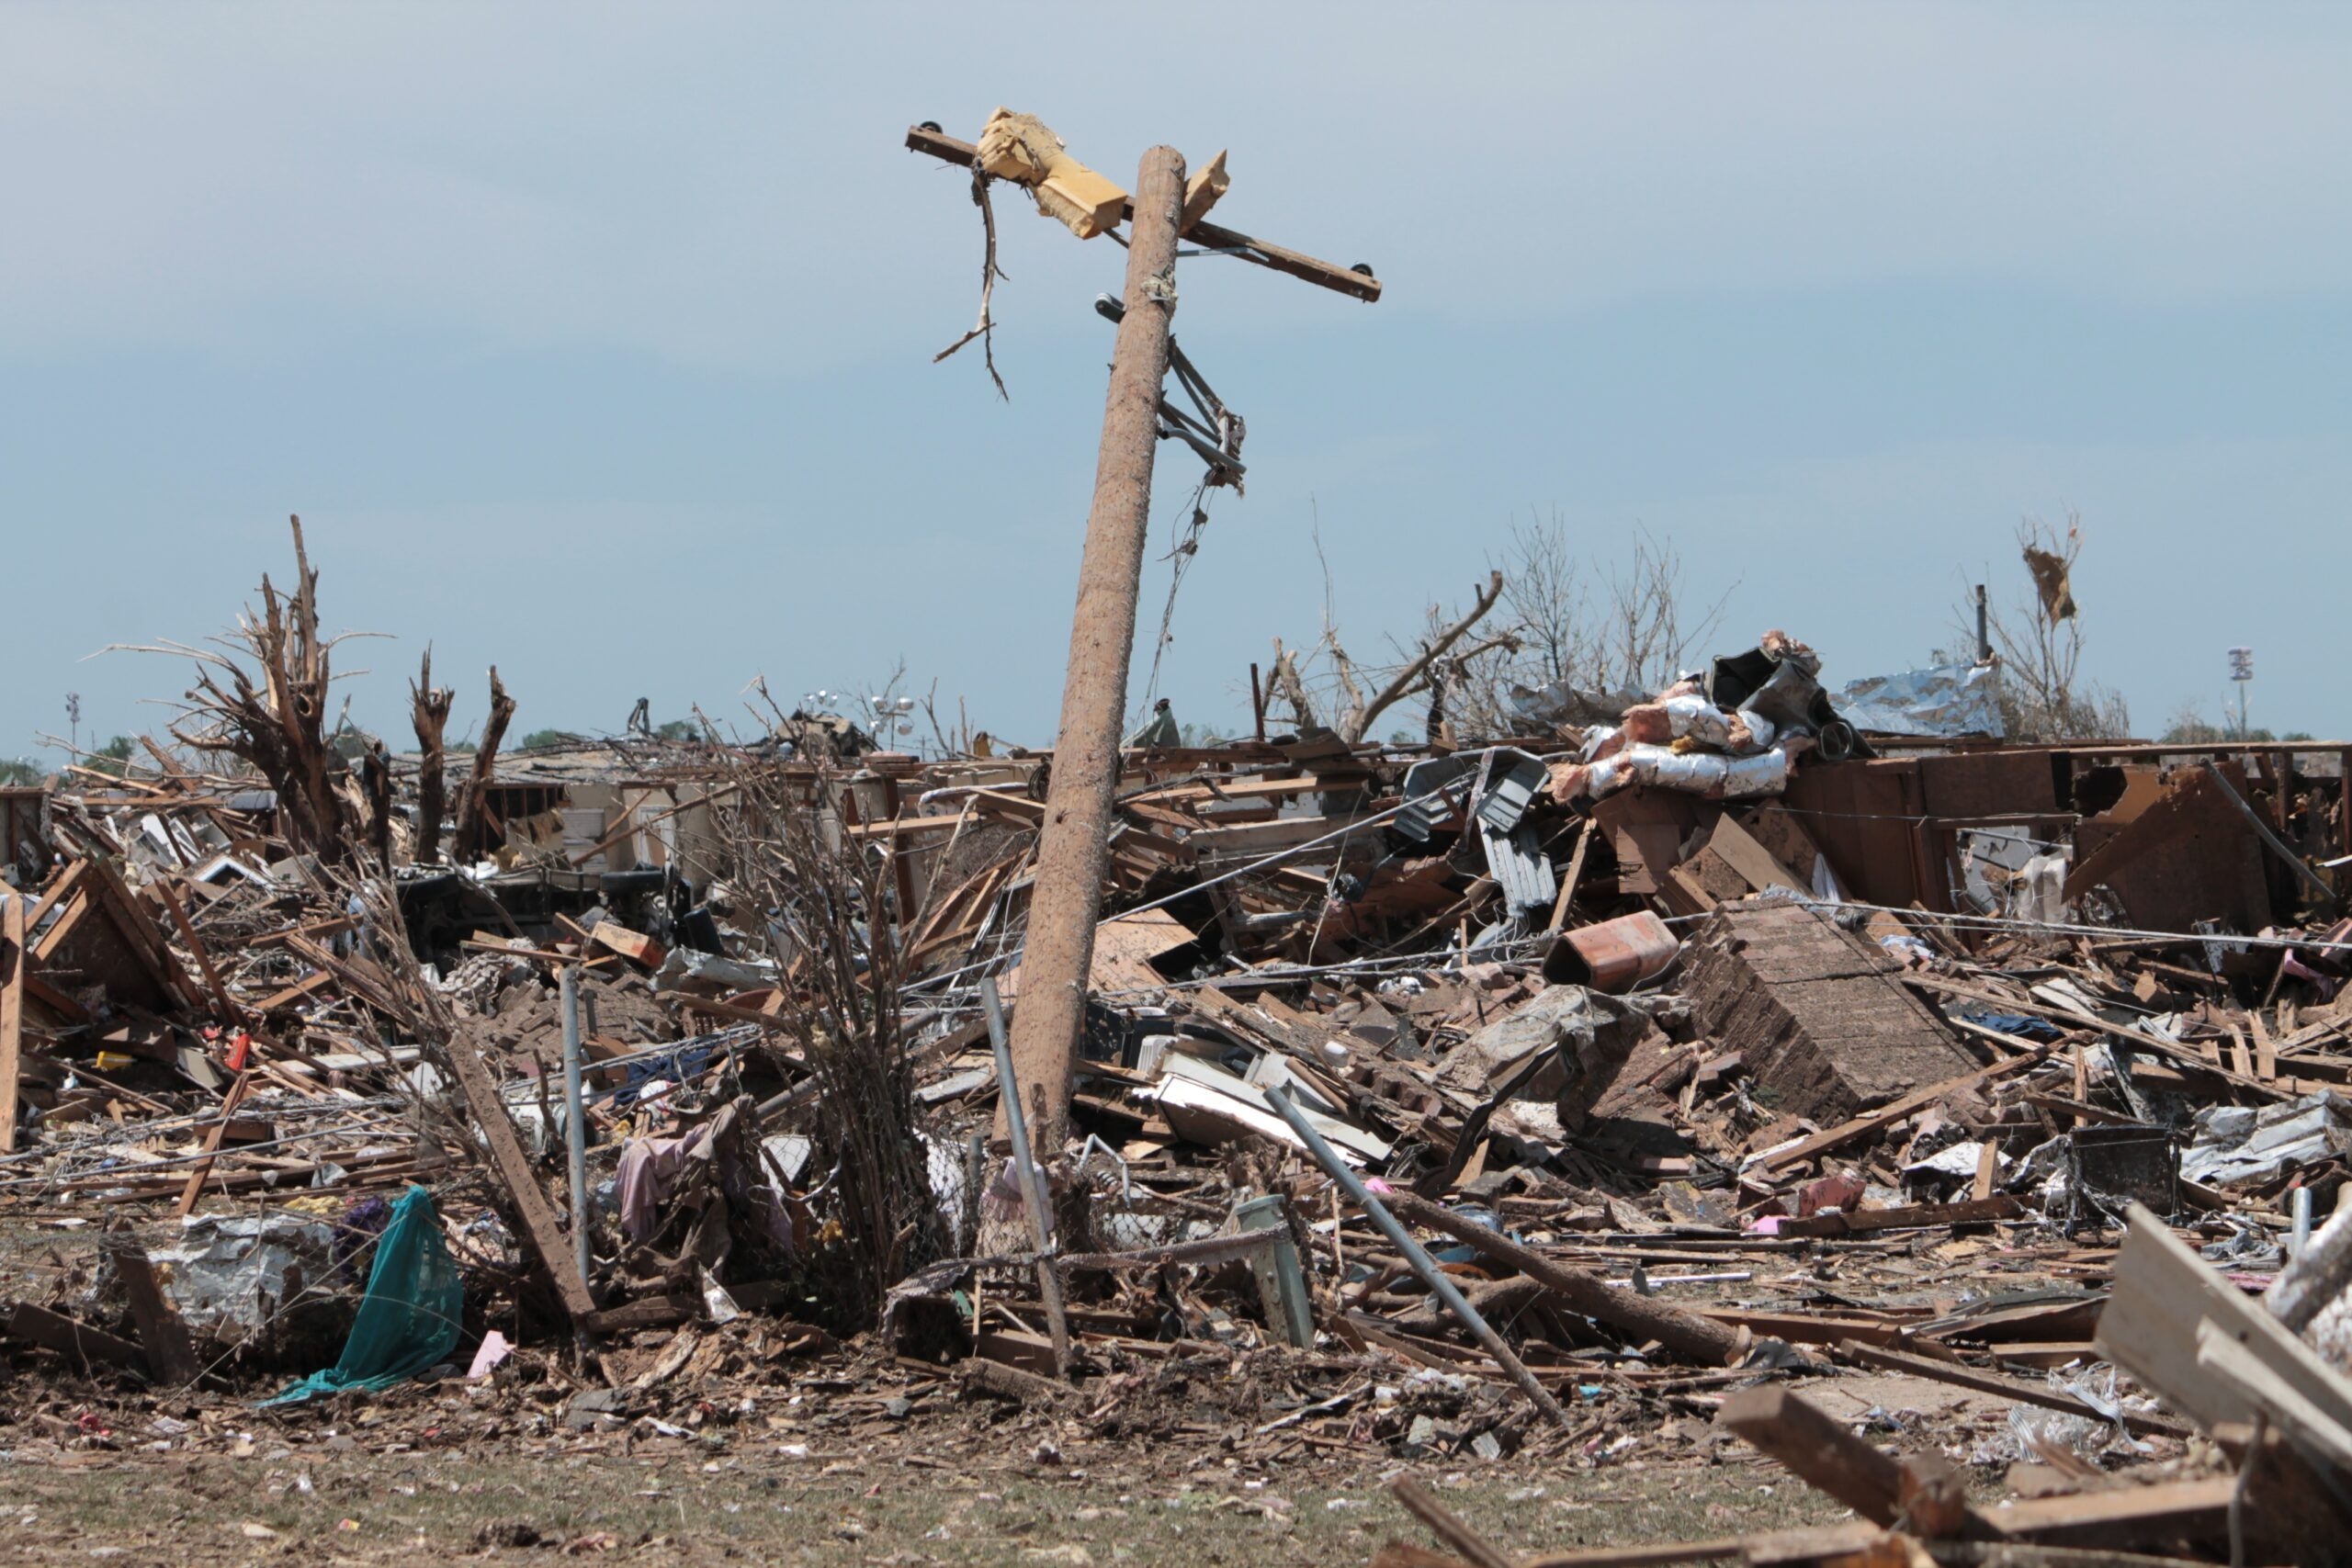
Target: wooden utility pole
point(1073, 848)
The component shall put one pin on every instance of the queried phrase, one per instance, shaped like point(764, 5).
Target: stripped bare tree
point(430, 714)
point(474, 800)
point(2038, 641)
point(261, 695)
point(837, 939)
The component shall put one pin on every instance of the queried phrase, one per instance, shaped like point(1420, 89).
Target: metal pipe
point(2272, 841)
point(575, 1121)
point(1032, 1181)
point(1422, 1264)
point(1073, 851)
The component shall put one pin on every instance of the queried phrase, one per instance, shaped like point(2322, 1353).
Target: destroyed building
point(1751, 1040)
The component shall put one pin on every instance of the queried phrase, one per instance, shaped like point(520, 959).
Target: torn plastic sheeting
point(2041, 889)
point(1958, 1161)
point(1942, 700)
point(411, 1316)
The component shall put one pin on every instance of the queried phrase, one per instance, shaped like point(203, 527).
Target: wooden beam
point(1569, 883)
point(1885, 1115)
point(541, 1231)
point(1211, 236)
point(1910, 1216)
point(219, 1129)
point(1818, 1449)
point(2004, 1388)
point(2149, 1328)
point(230, 1010)
point(1443, 1523)
point(295, 992)
point(2129, 1516)
point(170, 1355)
point(67, 1338)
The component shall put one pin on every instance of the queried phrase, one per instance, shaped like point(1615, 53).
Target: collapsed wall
point(1821, 1022)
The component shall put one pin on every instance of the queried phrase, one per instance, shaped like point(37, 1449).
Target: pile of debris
point(1615, 1088)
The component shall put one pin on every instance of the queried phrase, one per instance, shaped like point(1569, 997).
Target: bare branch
point(1362, 721)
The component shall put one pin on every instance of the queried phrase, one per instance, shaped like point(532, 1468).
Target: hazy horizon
point(595, 343)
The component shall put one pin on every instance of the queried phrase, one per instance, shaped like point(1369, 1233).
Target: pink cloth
point(649, 1171)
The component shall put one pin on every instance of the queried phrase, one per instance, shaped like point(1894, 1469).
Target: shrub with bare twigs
point(829, 913)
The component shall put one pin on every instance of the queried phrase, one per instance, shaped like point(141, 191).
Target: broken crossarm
point(1356, 280)
point(1215, 434)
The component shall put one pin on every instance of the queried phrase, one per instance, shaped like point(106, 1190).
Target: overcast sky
point(594, 342)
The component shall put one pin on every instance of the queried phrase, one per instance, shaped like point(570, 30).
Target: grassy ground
point(689, 1504)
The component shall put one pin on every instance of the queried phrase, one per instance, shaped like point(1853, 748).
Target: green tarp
point(409, 1320)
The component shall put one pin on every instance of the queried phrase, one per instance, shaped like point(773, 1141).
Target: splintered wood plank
point(1988, 1169)
point(2282, 1402)
point(295, 992)
point(2129, 1515)
point(1569, 883)
point(2015, 1389)
point(1887, 1114)
point(2241, 1059)
point(1818, 1449)
point(633, 945)
point(229, 1012)
point(541, 1230)
point(2163, 1291)
point(194, 1189)
point(161, 1334)
point(42, 1326)
point(1741, 851)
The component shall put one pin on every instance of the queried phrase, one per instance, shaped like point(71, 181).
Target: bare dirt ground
point(688, 1503)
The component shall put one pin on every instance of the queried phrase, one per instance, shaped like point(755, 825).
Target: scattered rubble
point(1659, 1080)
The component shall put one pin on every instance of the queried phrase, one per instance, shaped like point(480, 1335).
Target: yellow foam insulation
point(1022, 149)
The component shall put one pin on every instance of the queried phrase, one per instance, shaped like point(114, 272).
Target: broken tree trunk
point(376, 780)
point(475, 797)
point(1292, 690)
point(431, 716)
point(279, 725)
